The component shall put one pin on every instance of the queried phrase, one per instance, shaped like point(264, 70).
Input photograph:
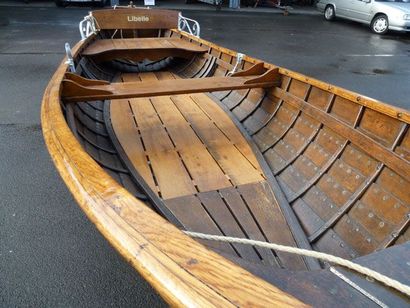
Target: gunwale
point(152, 249)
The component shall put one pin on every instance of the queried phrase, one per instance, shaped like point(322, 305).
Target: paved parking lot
point(50, 254)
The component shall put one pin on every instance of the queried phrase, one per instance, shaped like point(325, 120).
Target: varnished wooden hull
point(309, 164)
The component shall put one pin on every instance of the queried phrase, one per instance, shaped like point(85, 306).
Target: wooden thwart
point(85, 90)
point(138, 49)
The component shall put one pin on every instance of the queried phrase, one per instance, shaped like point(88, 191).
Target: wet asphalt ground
point(50, 254)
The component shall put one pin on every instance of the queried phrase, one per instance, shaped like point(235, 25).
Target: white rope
point(405, 289)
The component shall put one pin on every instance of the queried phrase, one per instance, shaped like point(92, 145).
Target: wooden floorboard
point(234, 164)
point(192, 215)
point(172, 177)
point(247, 221)
point(224, 123)
point(266, 210)
point(127, 133)
point(204, 169)
point(227, 223)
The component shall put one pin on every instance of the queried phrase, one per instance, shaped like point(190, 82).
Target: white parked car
point(381, 15)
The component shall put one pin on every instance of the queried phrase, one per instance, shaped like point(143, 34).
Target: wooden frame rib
point(395, 234)
point(256, 106)
point(278, 106)
point(291, 124)
point(309, 139)
point(300, 151)
point(283, 134)
point(348, 205)
point(319, 174)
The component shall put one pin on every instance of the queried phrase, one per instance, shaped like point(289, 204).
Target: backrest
point(135, 18)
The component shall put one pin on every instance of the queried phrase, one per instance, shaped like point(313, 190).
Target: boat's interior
point(237, 147)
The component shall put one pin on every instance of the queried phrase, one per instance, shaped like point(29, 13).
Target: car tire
point(329, 13)
point(380, 24)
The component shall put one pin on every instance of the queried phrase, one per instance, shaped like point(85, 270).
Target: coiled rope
point(405, 289)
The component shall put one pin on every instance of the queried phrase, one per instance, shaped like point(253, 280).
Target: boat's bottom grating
point(190, 153)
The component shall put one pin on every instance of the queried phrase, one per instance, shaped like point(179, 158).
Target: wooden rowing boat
point(155, 130)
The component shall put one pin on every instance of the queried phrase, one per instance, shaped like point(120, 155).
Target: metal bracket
point(358, 288)
point(70, 59)
point(188, 25)
point(87, 26)
point(239, 59)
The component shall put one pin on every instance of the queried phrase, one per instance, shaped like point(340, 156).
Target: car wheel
point(380, 24)
point(330, 13)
